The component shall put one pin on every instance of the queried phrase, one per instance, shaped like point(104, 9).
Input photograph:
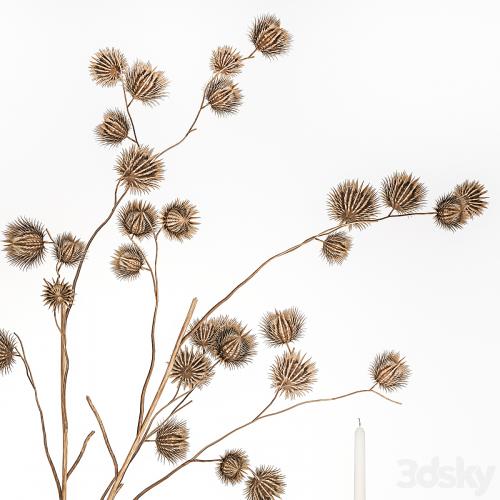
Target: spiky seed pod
point(269, 37)
point(226, 61)
point(390, 371)
point(232, 466)
point(403, 192)
point(138, 218)
point(127, 261)
point(107, 66)
point(191, 369)
point(336, 247)
point(24, 243)
point(205, 335)
point(282, 327)
point(292, 374)
point(139, 169)
point(68, 249)
point(474, 196)
point(353, 203)
point(179, 220)
point(114, 128)
point(234, 346)
point(7, 351)
point(266, 483)
point(172, 440)
point(450, 212)
point(57, 294)
point(145, 83)
point(223, 95)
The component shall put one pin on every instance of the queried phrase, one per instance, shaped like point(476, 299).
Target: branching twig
point(82, 451)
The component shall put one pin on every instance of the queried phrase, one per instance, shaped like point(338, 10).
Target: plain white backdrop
point(369, 87)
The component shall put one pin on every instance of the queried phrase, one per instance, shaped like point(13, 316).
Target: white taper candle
point(359, 464)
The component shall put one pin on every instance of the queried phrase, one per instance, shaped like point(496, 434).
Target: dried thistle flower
point(336, 247)
point(292, 374)
point(127, 261)
point(282, 327)
point(179, 220)
point(106, 67)
point(138, 218)
point(139, 169)
point(390, 371)
point(191, 369)
point(403, 193)
point(172, 440)
point(68, 249)
point(474, 196)
point(234, 346)
point(266, 483)
point(7, 351)
point(205, 335)
point(450, 212)
point(223, 95)
point(226, 61)
point(232, 466)
point(145, 83)
point(57, 294)
point(353, 203)
point(24, 243)
point(269, 37)
point(114, 128)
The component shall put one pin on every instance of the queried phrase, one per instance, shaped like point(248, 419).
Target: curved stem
point(127, 107)
point(82, 451)
point(64, 410)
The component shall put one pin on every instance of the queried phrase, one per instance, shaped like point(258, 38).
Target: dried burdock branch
point(293, 375)
point(68, 249)
point(57, 294)
point(107, 67)
point(336, 247)
point(172, 440)
point(145, 83)
point(191, 369)
point(234, 346)
point(179, 220)
point(266, 483)
point(7, 351)
point(353, 203)
point(451, 212)
point(139, 169)
point(138, 218)
point(390, 371)
point(127, 261)
point(226, 61)
point(403, 192)
point(232, 466)
point(114, 128)
point(269, 37)
point(24, 243)
point(282, 327)
point(223, 95)
point(473, 194)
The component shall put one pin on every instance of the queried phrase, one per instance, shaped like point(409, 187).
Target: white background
point(369, 87)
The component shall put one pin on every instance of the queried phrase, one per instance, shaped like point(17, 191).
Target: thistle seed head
point(107, 66)
point(474, 197)
point(269, 37)
point(24, 243)
point(68, 249)
point(7, 351)
point(232, 466)
point(282, 327)
point(113, 129)
point(145, 83)
point(57, 294)
point(390, 371)
point(205, 335)
point(226, 61)
point(403, 193)
point(336, 247)
point(234, 346)
point(138, 218)
point(172, 440)
point(450, 212)
point(191, 369)
point(292, 374)
point(353, 203)
point(223, 95)
point(127, 261)
point(179, 220)
point(139, 169)
point(266, 483)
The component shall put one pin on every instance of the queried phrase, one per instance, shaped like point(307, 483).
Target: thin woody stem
point(127, 107)
point(82, 451)
point(64, 411)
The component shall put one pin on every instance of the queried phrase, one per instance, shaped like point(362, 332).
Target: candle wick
point(359, 420)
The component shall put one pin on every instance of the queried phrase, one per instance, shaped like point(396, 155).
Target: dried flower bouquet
point(209, 343)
